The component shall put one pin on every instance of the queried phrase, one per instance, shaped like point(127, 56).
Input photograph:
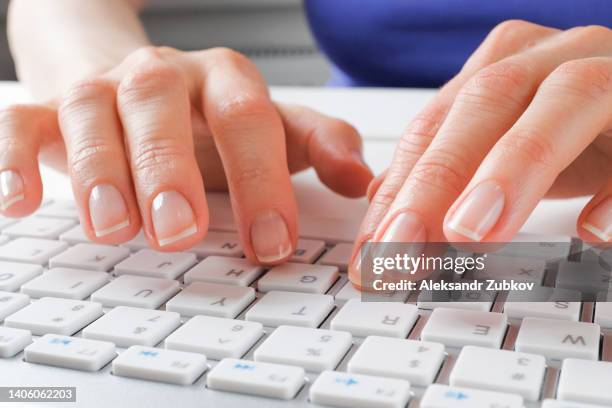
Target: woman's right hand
point(141, 140)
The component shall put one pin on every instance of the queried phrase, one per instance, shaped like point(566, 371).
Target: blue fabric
point(424, 43)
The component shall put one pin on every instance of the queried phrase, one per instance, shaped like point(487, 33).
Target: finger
point(595, 221)
point(23, 129)
point(571, 107)
point(154, 108)
point(330, 145)
point(249, 136)
point(97, 163)
point(375, 184)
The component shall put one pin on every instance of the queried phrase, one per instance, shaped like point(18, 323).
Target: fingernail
point(405, 227)
point(270, 237)
point(11, 188)
point(479, 211)
point(107, 210)
point(599, 221)
point(172, 217)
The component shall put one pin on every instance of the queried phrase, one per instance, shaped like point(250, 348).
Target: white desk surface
point(380, 115)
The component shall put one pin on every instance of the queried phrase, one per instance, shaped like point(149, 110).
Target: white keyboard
point(132, 327)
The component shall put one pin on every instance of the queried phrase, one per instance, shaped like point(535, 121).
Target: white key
point(94, 257)
point(458, 328)
point(566, 404)
point(75, 235)
point(481, 300)
point(312, 349)
point(59, 209)
point(215, 337)
point(344, 390)
point(12, 302)
point(70, 352)
point(211, 299)
point(412, 360)
point(13, 274)
point(65, 283)
point(298, 309)
point(225, 270)
point(250, 377)
point(38, 227)
point(31, 250)
point(544, 247)
point(443, 396)
point(338, 256)
point(56, 316)
point(12, 341)
point(499, 370)
point(556, 306)
point(4, 239)
point(307, 251)
point(585, 381)
point(603, 314)
point(146, 262)
point(499, 268)
point(137, 291)
point(349, 292)
point(129, 326)
point(137, 243)
point(330, 230)
point(218, 243)
point(147, 363)
point(558, 339)
point(293, 277)
point(362, 319)
point(6, 221)
point(585, 277)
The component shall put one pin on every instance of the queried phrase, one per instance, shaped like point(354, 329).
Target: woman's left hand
point(529, 116)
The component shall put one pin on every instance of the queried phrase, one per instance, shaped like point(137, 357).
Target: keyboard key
point(93, 257)
point(146, 262)
point(13, 274)
point(59, 209)
point(12, 302)
point(458, 328)
point(511, 268)
point(499, 370)
point(344, 390)
point(228, 271)
point(558, 339)
point(12, 341)
point(31, 250)
point(585, 381)
point(147, 363)
point(307, 251)
point(75, 235)
point(70, 352)
point(249, 377)
point(312, 349)
point(129, 326)
point(6, 221)
point(297, 309)
point(538, 246)
point(65, 283)
point(330, 230)
point(215, 337)
point(549, 303)
point(4, 239)
point(211, 299)
point(56, 316)
point(338, 256)
point(218, 243)
point(603, 314)
point(566, 404)
point(588, 278)
point(481, 300)
point(137, 243)
point(293, 277)
point(412, 360)
point(443, 396)
point(38, 227)
point(362, 319)
point(137, 291)
point(349, 292)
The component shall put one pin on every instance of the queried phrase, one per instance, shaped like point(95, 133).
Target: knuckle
point(443, 170)
point(87, 151)
point(85, 93)
point(506, 31)
point(588, 78)
point(13, 114)
point(228, 55)
point(158, 154)
point(421, 130)
point(146, 81)
point(243, 106)
point(529, 146)
point(591, 33)
point(248, 177)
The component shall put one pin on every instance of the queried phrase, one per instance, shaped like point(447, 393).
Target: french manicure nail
point(172, 217)
point(405, 227)
point(479, 211)
point(11, 188)
point(599, 221)
point(107, 210)
point(270, 237)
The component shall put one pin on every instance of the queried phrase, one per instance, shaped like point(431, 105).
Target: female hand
point(141, 140)
point(529, 116)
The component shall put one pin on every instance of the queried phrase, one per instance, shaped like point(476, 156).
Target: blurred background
point(273, 33)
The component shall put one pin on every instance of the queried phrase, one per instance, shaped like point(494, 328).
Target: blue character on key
point(64, 342)
point(456, 395)
point(242, 366)
point(148, 353)
point(346, 381)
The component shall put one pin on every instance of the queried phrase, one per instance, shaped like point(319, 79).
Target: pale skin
point(529, 116)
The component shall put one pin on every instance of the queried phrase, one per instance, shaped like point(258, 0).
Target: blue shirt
point(424, 43)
